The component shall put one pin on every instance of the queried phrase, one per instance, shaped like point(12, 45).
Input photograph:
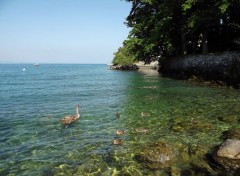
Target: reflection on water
point(188, 118)
point(149, 72)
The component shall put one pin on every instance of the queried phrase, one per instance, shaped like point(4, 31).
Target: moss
point(191, 126)
point(159, 155)
point(231, 134)
point(229, 118)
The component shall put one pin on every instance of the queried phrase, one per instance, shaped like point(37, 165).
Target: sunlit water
point(32, 141)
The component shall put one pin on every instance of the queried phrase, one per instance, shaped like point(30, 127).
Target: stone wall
point(222, 68)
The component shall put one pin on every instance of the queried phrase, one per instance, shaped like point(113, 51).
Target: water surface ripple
point(33, 101)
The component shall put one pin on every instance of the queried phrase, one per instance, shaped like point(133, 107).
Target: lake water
point(33, 142)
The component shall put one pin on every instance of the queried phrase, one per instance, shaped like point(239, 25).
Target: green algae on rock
point(231, 134)
point(156, 156)
point(229, 118)
point(190, 126)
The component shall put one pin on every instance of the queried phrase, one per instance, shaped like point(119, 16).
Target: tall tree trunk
point(183, 43)
point(204, 42)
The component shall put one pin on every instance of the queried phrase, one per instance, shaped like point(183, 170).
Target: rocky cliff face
point(222, 68)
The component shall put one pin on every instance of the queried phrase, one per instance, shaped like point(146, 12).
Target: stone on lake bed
point(190, 126)
point(231, 134)
point(141, 130)
point(230, 149)
point(229, 118)
point(157, 155)
point(228, 155)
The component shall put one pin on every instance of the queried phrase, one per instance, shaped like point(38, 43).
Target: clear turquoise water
point(32, 141)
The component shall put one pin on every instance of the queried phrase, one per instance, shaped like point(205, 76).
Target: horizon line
point(53, 63)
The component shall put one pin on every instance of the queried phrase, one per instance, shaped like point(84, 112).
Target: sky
point(62, 31)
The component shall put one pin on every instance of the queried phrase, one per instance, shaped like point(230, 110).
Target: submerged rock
point(141, 130)
point(228, 154)
point(124, 67)
point(231, 134)
point(91, 166)
point(230, 149)
point(156, 156)
point(190, 126)
point(229, 119)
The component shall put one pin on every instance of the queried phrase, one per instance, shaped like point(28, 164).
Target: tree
point(151, 24)
point(170, 28)
point(123, 57)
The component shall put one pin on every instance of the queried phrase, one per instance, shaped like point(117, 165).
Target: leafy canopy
point(169, 28)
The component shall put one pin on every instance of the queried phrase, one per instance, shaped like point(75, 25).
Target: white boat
point(36, 65)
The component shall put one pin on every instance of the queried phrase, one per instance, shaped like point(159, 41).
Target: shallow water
point(33, 101)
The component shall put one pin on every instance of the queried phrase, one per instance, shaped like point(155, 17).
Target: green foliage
point(188, 4)
point(173, 27)
point(123, 57)
point(223, 6)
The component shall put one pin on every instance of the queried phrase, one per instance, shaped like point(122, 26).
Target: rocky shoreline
point(123, 67)
point(154, 65)
point(219, 69)
point(223, 160)
point(195, 158)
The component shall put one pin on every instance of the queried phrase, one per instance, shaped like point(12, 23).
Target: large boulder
point(228, 154)
point(230, 149)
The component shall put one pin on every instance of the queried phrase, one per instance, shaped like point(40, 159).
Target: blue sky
point(61, 31)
